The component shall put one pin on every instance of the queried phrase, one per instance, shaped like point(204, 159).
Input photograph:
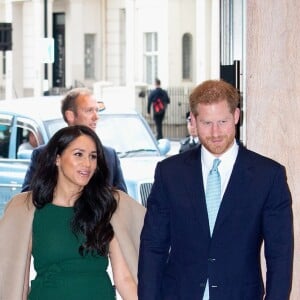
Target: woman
point(70, 223)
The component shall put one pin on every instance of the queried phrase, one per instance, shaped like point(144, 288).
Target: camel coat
point(15, 241)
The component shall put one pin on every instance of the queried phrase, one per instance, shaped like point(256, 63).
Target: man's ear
point(236, 115)
point(70, 116)
point(193, 119)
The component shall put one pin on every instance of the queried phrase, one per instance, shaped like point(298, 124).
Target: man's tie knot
point(215, 165)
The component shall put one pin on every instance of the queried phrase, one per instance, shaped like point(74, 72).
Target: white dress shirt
point(225, 170)
point(225, 167)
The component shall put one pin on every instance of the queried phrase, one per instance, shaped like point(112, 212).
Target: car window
point(54, 125)
point(5, 129)
point(127, 134)
point(27, 140)
point(28, 136)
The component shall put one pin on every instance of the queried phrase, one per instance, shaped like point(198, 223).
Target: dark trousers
point(158, 119)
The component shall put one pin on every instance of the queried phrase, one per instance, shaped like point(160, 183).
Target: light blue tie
point(213, 200)
point(213, 194)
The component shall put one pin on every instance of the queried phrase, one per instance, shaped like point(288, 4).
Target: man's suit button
point(211, 259)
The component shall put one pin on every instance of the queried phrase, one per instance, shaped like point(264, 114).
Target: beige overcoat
point(15, 241)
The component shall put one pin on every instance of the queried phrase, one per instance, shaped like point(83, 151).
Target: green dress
point(61, 272)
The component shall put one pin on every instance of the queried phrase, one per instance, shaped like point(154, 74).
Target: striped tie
point(213, 193)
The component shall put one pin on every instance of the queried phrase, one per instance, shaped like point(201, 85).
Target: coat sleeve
point(278, 239)
point(127, 223)
point(150, 100)
point(118, 179)
point(15, 235)
point(166, 97)
point(31, 168)
point(155, 241)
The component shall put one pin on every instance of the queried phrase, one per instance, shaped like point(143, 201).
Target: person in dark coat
point(191, 141)
point(158, 115)
point(79, 107)
point(210, 212)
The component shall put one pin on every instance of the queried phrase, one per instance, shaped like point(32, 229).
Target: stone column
point(273, 95)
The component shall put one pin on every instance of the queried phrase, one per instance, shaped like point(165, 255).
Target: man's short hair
point(214, 91)
point(69, 101)
point(157, 81)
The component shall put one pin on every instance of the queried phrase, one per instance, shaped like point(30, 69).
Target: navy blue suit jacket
point(177, 253)
point(115, 172)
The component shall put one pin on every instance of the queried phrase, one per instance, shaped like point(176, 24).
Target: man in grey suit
point(79, 107)
point(204, 227)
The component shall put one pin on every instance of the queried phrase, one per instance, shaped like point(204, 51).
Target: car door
point(8, 178)
point(13, 163)
point(5, 130)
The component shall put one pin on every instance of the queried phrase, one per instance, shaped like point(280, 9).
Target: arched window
point(187, 56)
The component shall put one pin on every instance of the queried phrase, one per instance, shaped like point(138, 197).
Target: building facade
point(120, 42)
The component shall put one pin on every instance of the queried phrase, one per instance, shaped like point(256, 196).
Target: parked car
point(123, 129)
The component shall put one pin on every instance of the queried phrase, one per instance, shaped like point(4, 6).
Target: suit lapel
point(194, 186)
point(237, 186)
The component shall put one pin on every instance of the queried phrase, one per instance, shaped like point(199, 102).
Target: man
point(79, 107)
point(30, 144)
point(193, 247)
point(158, 94)
point(191, 141)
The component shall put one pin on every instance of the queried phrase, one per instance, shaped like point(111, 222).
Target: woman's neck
point(65, 197)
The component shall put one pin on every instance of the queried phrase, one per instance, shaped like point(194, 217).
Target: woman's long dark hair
point(95, 205)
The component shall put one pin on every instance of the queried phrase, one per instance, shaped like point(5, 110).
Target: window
point(89, 56)
point(28, 135)
point(59, 65)
point(151, 55)
point(5, 131)
point(187, 56)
